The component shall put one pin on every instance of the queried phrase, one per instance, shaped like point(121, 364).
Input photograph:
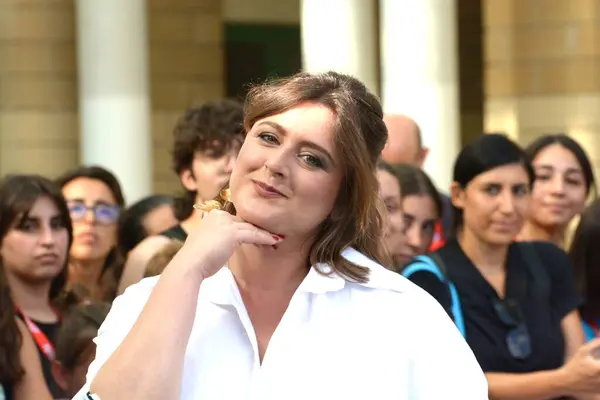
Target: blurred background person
point(35, 237)
point(564, 180)
point(95, 201)
point(206, 141)
point(391, 197)
point(75, 348)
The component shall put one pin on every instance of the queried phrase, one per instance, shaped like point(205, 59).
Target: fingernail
point(276, 237)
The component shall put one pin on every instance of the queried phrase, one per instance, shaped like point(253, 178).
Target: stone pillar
point(542, 68)
point(38, 87)
point(341, 35)
point(186, 69)
point(419, 75)
point(114, 100)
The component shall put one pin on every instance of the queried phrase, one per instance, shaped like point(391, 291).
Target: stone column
point(341, 35)
point(420, 77)
point(114, 99)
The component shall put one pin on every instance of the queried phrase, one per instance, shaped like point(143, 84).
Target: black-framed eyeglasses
point(518, 339)
point(103, 213)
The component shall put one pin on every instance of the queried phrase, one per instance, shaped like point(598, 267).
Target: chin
point(264, 219)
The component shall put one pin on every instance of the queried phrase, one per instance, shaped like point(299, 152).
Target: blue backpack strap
point(434, 265)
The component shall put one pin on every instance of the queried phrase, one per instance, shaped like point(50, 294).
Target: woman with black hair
point(35, 236)
point(585, 256)
point(95, 201)
point(564, 180)
point(519, 304)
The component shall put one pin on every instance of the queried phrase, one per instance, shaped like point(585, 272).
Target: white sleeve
point(445, 367)
point(123, 314)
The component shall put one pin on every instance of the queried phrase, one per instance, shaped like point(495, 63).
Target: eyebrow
point(550, 167)
point(97, 202)
point(282, 131)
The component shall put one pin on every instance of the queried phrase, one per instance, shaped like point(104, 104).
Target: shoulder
point(392, 291)
point(138, 258)
point(550, 255)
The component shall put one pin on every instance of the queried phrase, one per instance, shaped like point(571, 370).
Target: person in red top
point(405, 146)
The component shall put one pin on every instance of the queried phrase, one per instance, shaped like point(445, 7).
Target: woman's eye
point(267, 137)
point(312, 160)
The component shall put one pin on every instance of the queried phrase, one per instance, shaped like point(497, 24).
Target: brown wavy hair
point(359, 137)
point(18, 194)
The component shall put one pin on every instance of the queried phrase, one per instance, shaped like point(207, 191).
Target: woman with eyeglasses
point(95, 202)
point(35, 235)
point(518, 301)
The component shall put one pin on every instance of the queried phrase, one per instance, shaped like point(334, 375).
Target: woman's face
point(420, 217)
point(389, 192)
point(288, 172)
point(35, 248)
point(94, 212)
point(559, 192)
point(495, 203)
point(159, 219)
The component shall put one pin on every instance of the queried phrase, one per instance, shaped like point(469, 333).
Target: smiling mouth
point(266, 190)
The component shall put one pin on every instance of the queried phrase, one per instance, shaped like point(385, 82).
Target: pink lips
point(266, 190)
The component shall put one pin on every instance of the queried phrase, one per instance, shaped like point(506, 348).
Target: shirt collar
point(221, 287)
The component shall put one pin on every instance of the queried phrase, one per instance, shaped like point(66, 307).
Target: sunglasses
point(518, 339)
point(103, 213)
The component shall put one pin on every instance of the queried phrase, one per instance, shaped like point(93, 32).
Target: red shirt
point(438, 237)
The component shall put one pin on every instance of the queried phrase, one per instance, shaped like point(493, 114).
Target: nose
point(507, 202)
point(90, 216)
point(230, 161)
point(277, 162)
point(558, 185)
point(413, 237)
point(47, 236)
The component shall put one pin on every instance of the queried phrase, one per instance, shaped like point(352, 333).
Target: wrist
point(564, 381)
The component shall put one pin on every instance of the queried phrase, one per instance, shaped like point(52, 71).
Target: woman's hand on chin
point(210, 245)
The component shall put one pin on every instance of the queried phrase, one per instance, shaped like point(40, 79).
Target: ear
point(457, 195)
point(60, 375)
point(422, 156)
point(188, 180)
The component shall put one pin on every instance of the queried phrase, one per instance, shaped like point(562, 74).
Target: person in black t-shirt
point(206, 141)
point(519, 301)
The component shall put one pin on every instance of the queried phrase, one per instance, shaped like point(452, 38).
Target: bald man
point(405, 144)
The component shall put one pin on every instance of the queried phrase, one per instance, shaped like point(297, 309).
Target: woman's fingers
point(250, 234)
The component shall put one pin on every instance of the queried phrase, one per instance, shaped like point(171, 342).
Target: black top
point(485, 333)
point(50, 330)
point(176, 233)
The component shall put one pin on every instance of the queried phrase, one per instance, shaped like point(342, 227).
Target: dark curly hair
point(215, 126)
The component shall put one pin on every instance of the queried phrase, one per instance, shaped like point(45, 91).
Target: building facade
point(103, 81)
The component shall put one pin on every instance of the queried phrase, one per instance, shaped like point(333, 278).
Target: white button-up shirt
point(385, 339)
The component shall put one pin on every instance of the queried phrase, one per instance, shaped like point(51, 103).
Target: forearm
point(148, 364)
point(542, 385)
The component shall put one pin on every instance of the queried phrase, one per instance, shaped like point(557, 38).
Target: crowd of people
point(285, 266)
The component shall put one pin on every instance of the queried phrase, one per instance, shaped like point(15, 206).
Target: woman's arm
point(152, 344)
point(541, 385)
point(32, 385)
point(573, 333)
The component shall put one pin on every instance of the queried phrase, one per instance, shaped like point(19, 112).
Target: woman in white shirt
point(280, 294)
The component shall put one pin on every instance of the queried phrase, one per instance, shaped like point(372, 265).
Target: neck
point(534, 232)
point(85, 273)
point(265, 268)
point(484, 256)
point(190, 222)
point(33, 299)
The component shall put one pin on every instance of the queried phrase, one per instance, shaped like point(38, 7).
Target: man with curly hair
point(206, 141)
